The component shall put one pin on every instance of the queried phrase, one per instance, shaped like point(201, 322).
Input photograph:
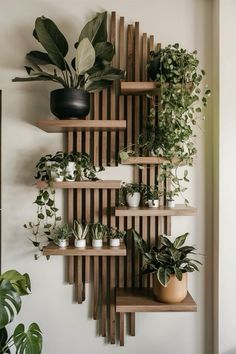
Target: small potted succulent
point(132, 193)
point(80, 233)
point(169, 263)
point(89, 70)
point(170, 201)
point(98, 232)
point(62, 235)
point(152, 195)
point(115, 236)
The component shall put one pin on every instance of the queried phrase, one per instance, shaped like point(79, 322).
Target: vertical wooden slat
point(168, 218)
point(95, 286)
point(70, 212)
point(79, 280)
point(112, 301)
point(122, 67)
point(104, 295)
point(96, 134)
point(129, 78)
point(113, 93)
point(104, 133)
point(122, 329)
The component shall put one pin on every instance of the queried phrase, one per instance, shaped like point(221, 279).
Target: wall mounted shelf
point(142, 300)
point(60, 126)
point(106, 250)
point(148, 160)
point(100, 184)
point(142, 88)
point(178, 210)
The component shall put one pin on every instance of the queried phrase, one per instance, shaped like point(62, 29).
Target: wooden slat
point(178, 210)
point(149, 160)
point(112, 301)
point(113, 92)
point(95, 286)
point(104, 296)
point(79, 280)
point(100, 184)
point(142, 300)
point(104, 134)
point(129, 77)
point(122, 329)
point(70, 213)
point(136, 78)
point(106, 250)
point(96, 134)
point(122, 64)
point(143, 87)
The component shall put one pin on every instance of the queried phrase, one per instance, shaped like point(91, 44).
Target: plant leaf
point(163, 275)
point(39, 58)
point(20, 282)
point(96, 29)
point(179, 241)
point(109, 73)
point(104, 51)
point(52, 40)
point(3, 340)
point(97, 85)
point(28, 342)
point(85, 57)
point(10, 302)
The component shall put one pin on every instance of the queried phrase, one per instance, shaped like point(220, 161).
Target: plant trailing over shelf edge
point(90, 69)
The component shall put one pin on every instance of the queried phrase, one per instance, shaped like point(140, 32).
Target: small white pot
point(114, 242)
point(170, 203)
point(70, 171)
point(153, 203)
point(80, 243)
point(133, 201)
point(97, 243)
point(63, 243)
point(57, 174)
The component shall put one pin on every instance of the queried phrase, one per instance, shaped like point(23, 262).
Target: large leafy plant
point(91, 67)
point(13, 285)
point(168, 258)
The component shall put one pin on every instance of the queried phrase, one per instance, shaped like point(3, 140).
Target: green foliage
point(79, 230)
point(131, 188)
point(88, 70)
point(13, 285)
point(63, 232)
point(114, 233)
point(98, 231)
point(152, 193)
point(168, 258)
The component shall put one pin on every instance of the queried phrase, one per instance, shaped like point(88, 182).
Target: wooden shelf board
point(100, 184)
point(142, 88)
point(60, 126)
point(106, 250)
point(149, 160)
point(178, 210)
point(142, 300)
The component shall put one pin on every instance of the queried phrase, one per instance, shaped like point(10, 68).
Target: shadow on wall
point(232, 351)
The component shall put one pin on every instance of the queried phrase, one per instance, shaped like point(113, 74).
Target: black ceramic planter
point(70, 103)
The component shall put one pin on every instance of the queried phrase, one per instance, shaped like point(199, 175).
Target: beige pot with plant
point(175, 291)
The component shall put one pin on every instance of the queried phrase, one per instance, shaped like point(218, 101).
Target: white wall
point(67, 327)
point(227, 168)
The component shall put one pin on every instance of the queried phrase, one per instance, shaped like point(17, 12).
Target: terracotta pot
point(174, 292)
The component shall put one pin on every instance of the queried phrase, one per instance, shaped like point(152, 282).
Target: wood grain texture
point(122, 329)
point(70, 213)
point(104, 297)
point(112, 301)
point(113, 103)
point(95, 286)
point(178, 210)
point(148, 160)
point(106, 250)
point(142, 300)
point(100, 184)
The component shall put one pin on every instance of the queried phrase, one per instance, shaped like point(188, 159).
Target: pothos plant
point(90, 69)
point(13, 286)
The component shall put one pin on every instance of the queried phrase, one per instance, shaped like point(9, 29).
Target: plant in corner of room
point(169, 263)
point(62, 234)
point(80, 232)
point(90, 69)
point(132, 193)
point(13, 285)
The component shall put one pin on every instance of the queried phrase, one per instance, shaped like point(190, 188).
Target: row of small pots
point(133, 201)
point(113, 242)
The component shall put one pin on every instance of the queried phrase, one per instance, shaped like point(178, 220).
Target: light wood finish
point(61, 126)
point(178, 210)
point(122, 329)
point(95, 287)
point(112, 301)
point(122, 65)
point(106, 250)
point(142, 300)
point(149, 160)
point(79, 280)
point(104, 296)
point(70, 214)
point(96, 134)
point(100, 184)
point(113, 106)
point(142, 88)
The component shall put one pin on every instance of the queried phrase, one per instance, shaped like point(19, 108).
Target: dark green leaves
point(10, 303)
point(96, 29)
point(163, 275)
point(28, 342)
point(104, 51)
point(39, 58)
point(52, 40)
point(20, 282)
point(179, 241)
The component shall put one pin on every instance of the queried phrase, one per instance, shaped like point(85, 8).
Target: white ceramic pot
point(170, 203)
point(70, 171)
point(63, 243)
point(133, 201)
point(97, 243)
point(57, 174)
point(114, 242)
point(80, 243)
point(153, 203)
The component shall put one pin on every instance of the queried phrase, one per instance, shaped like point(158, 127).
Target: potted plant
point(90, 69)
point(80, 233)
point(169, 263)
point(62, 235)
point(115, 236)
point(13, 286)
point(170, 201)
point(132, 193)
point(98, 232)
point(152, 195)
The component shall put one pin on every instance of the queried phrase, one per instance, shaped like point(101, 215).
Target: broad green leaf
point(178, 273)
point(10, 303)
point(39, 58)
point(179, 241)
point(20, 282)
point(104, 51)
point(96, 29)
point(28, 342)
point(109, 73)
point(163, 275)
point(140, 243)
point(92, 86)
point(52, 40)
point(165, 241)
point(3, 341)
point(85, 57)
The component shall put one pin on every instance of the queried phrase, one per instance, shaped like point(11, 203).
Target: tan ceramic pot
point(174, 292)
